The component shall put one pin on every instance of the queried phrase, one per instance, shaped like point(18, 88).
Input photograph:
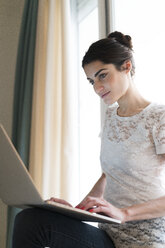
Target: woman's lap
point(37, 228)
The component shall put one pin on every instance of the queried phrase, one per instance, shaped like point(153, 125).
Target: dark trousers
point(37, 228)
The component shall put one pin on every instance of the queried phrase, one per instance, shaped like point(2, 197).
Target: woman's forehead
point(96, 67)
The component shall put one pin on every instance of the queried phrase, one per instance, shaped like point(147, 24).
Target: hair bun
point(121, 38)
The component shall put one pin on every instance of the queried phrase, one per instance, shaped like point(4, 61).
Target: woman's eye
point(102, 76)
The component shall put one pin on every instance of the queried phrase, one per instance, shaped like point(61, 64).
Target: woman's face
point(109, 83)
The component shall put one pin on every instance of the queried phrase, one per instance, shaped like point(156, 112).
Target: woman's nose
point(98, 87)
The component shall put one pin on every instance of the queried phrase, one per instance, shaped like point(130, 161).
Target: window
point(89, 102)
point(144, 21)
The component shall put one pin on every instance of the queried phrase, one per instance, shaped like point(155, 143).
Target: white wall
point(10, 20)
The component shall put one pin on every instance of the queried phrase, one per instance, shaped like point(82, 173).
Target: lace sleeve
point(159, 135)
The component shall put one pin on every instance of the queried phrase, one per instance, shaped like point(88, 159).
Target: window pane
point(144, 21)
point(89, 110)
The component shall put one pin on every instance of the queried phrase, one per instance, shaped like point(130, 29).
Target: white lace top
point(135, 171)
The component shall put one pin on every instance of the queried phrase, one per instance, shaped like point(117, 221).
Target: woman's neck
point(131, 103)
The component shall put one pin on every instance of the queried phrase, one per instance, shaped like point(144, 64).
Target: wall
point(10, 20)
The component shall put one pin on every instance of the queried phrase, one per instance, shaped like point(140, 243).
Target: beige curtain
point(37, 131)
point(54, 136)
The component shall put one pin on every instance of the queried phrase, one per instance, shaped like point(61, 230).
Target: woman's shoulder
point(157, 108)
point(156, 112)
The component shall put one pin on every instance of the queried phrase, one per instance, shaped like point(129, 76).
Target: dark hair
point(115, 49)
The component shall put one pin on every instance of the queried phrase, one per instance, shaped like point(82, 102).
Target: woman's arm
point(99, 187)
point(148, 210)
point(97, 191)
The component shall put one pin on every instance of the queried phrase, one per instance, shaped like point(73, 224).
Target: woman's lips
point(105, 94)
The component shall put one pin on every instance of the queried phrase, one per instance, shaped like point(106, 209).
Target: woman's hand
point(53, 199)
point(100, 205)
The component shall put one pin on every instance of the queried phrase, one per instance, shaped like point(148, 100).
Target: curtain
point(39, 98)
point(54, 137)
point(22, 105)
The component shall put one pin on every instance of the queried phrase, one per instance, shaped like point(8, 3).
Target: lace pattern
point(137, 234)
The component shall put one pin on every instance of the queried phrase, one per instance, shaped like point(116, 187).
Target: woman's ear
point(127, 66)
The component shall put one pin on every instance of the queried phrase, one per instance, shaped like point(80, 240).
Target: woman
point(132, 187)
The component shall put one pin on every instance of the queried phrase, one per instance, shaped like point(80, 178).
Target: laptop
point(18, 189)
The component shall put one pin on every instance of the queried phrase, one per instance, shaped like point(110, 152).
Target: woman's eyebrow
point(99, 71)
point(95, 75)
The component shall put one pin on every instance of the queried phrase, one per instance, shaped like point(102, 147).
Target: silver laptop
point(18, 189)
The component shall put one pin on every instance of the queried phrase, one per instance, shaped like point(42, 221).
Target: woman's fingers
point(94, 205)
point(101, 209)
point(90, 202)
point(111, 211)
point(99, 205)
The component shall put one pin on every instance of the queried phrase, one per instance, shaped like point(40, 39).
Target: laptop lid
point(16, 185)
